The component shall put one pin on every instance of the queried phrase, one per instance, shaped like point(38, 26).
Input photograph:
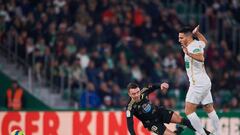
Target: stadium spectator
point(15, 97)
point(107, 103)
point(89, 97)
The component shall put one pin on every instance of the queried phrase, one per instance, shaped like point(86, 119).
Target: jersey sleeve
point(150, 89)
point(130, 125)
point(198, 47)
point(129, 115)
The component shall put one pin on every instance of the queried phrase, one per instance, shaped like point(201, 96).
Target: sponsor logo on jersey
point(146, 108)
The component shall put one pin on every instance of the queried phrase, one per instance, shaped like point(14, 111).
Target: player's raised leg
point(190, 109)
point(184, 121)
point(213, 117)
point(209, 109)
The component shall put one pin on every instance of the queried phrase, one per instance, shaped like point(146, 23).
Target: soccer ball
point(17, 132)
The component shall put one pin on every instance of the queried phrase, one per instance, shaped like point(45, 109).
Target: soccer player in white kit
point(199, 91)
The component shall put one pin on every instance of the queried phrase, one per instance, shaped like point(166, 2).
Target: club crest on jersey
point(146, 108)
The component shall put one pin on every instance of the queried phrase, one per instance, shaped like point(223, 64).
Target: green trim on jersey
point(187, 64)
point(196, 50)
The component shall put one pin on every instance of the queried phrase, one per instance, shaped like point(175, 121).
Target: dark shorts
point(164, 116)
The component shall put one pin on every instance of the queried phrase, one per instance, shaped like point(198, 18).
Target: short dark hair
point(132, 86)
point(185, 30)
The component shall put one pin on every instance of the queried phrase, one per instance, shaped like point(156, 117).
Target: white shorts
point(199, 94)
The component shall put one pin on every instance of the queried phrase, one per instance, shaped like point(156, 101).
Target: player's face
point(182, 38)
point(134, 94)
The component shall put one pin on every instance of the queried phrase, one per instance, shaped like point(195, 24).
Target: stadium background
point(74, 58)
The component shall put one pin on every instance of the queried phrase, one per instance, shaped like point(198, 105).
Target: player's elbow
point(206, 42)
point(202, 59)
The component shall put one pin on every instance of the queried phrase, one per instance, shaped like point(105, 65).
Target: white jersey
point(195, 69)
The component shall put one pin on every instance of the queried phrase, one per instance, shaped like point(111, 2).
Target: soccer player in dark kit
point(153, 117)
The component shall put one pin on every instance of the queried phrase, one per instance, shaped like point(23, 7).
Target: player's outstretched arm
point(150, 89)
point(163, 87)
point(199, 35)
point(130, 124)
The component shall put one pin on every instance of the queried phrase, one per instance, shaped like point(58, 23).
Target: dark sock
point(187, 123)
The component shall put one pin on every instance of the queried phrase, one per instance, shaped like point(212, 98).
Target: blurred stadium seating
point(65, 53)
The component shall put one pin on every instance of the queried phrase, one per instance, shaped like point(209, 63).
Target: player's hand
point(164, 87)
point(196, 30)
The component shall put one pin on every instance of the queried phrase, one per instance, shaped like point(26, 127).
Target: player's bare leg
point(168, 132)
point(213, 117)
point(190, 109)
point(176, 118)
point(208, 108)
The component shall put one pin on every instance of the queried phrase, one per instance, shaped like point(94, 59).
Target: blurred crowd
point(93, 48)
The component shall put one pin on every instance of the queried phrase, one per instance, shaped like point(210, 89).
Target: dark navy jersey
point(144, 110)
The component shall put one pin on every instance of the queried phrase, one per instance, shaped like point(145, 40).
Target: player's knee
point(190, 108)
point(208, 108)
point(188, 111)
